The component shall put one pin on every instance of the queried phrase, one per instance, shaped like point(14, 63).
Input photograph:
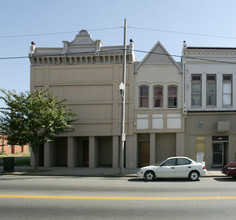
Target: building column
point(115, 152)
point(93, 152)
point(152, 148)
point(135, 147)
point(71, 152)
point(231, 148)
point(180, 144)
point(130, 148)
point(209, 151)
point(48, 155)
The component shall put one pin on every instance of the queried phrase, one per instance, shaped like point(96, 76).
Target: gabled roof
point(158, 55)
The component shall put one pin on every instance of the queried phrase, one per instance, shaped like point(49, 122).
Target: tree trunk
point(36, 158)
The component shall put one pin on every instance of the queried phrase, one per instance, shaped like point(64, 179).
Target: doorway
point(85, 153)
point(219, 154)
point(144, 153)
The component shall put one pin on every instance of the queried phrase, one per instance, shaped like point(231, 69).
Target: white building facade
point(209, 101)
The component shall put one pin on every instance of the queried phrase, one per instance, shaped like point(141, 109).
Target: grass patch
point(19, 161)
point(23, 162)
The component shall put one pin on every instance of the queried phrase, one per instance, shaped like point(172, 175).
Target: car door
point(183, 167)
point(167, 168)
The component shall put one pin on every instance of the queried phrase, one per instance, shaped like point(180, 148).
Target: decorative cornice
point(82, 50)
point(75, 59)
point(223, 53)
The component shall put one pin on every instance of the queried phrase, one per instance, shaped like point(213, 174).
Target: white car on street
point(174, 167)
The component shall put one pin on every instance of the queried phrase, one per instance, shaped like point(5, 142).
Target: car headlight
point(231, 168)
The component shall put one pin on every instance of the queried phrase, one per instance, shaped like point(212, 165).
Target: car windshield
point(157, 164)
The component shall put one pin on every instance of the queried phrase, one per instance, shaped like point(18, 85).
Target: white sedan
point(174, 167)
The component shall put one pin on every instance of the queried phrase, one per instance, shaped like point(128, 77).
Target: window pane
point(211, 100)
point(211, 87)
point(172, 91)
point(172, 102)
point(227, 99)
point(143, 101)
point(196, 100)
point(196, 88)
point(158, 102)
point(227, 78)
point(196, 77)
point(144, 91)
point(227, 87)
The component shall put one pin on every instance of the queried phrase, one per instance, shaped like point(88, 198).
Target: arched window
point(158, 97)
point(143, 96)
point(172, 96)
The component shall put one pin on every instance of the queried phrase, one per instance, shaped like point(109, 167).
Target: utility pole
point(122, 93)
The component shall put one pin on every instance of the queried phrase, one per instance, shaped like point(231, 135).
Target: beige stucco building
point(87, 75)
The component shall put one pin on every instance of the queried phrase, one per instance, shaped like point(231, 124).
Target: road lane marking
point(118, 198)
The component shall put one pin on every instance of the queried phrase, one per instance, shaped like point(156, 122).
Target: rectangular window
point(196, 92)
point(227, 90)
point(211, 90)
point(143, 96)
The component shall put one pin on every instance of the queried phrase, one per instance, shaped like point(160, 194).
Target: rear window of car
point(183, 161)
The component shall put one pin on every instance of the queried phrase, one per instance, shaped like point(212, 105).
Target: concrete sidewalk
point(85, 172)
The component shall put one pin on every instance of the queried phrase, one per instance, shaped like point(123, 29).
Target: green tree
point(34, 118)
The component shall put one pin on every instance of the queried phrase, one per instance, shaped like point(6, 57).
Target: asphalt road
point(34, 197)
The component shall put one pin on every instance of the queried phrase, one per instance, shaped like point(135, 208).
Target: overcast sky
point(199, 22)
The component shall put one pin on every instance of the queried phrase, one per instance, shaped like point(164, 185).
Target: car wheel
point(194, 175)
point(149, 175)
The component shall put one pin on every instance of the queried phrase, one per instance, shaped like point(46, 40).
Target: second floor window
point(143, 96)
point(196, 93)
point(158, 97)
point(172, 97)
point(211, 90)
point(227, 90)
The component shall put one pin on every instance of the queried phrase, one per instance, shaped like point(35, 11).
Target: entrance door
point(218, 154)
point(144, 153)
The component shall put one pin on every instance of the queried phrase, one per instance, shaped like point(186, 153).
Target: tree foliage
point(34, 118)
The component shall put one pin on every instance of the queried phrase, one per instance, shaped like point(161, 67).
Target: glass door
point(218, 154)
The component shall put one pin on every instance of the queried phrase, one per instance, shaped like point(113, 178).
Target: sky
point(209, 23)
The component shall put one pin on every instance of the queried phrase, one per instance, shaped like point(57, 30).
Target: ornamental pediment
point(83, 42)
point(82, 38)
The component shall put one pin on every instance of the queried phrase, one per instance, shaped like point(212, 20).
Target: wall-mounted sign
point(200, 156)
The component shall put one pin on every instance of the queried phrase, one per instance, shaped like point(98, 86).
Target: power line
point(118, 27)
point(55, 33)
point(179, 32)
point(13, 58)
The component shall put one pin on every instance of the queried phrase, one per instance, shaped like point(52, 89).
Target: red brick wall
point(14, 149)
